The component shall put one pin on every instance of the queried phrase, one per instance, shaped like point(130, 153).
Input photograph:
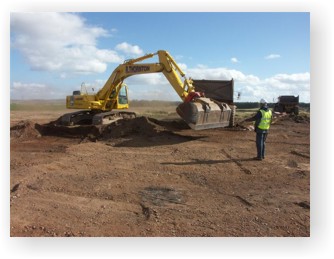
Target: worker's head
point(263, 103)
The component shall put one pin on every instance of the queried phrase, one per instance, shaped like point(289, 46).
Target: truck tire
point(232, 118)
point(296, 110)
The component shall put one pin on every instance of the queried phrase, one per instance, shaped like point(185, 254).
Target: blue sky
point(267, 54)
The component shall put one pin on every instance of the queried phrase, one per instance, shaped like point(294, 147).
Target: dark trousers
point(261, 143)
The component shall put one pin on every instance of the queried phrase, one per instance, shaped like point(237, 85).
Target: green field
point(37, 105)
point(154, 109)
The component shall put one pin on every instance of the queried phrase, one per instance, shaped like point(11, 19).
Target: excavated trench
point(135, 127)
point(140, 126)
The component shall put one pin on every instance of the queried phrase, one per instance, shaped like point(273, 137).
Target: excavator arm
point(199, 112)
point(166, 65)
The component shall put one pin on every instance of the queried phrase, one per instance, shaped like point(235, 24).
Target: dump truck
point(287, 104)
point(219, 90)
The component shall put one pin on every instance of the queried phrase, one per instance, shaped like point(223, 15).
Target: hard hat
point(263, 101)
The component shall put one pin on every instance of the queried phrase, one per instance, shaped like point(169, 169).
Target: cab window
point(122, 96)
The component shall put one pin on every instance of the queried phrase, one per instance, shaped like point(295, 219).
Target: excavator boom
point(196, 110)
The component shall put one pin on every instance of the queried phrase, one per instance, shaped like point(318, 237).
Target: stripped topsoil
point(148, 177)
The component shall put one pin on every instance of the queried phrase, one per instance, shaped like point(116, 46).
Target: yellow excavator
point(109, 102)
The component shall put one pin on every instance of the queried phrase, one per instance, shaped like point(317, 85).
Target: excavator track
point(87, 117)
point(109, 117)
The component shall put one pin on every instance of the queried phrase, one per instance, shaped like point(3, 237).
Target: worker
point(263, 119)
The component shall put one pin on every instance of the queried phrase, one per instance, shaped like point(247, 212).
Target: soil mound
point(139, 126)
point(143, 126)
point(24, 129)
point(301, 118)
point(80, 131)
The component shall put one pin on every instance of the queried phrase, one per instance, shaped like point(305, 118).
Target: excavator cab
point(122, 98)
point(118, 100)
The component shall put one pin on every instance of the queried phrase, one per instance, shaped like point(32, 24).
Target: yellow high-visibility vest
point(265, 120)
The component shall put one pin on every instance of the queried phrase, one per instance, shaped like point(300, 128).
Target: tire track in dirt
point(245, 170)
point(299, 154)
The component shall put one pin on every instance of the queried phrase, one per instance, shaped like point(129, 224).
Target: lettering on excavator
point(72, 100)
point(136, 69)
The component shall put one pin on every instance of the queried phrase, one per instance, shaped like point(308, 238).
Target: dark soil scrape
point(140, 126)
point(24, 129)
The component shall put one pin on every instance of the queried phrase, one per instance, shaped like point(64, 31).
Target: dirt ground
point(146, 177)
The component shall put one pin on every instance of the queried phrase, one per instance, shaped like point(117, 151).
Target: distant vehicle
point(288, 104)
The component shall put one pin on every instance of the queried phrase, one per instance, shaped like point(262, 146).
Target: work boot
point(258, 158)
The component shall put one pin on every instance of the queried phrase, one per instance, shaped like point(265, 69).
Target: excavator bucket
point(205, 113)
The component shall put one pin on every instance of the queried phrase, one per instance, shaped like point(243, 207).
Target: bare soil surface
point(147, 177)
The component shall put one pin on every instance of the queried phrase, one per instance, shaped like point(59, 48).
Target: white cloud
point(156, 86)
point(293, 78)
point(221, 74)
point(201, 66)
point(272, 56)
point(146, 79)
point(234, 60)
point(178, 57)
point(182, 66)
point(280, 84)
point(129, 49)
point(253, 88)
point(153, 93)
point(60, 42)
point(28, 91)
